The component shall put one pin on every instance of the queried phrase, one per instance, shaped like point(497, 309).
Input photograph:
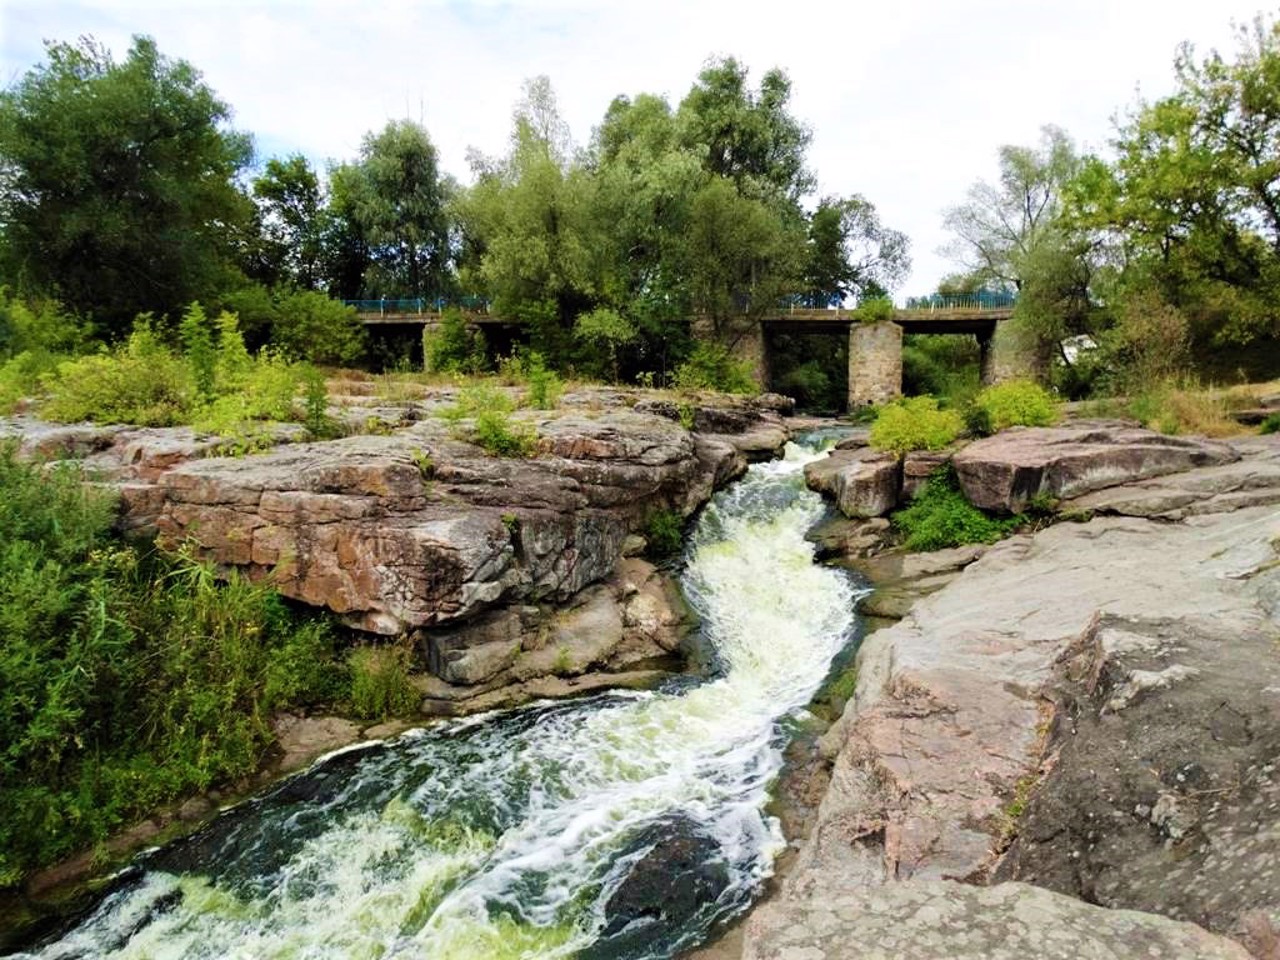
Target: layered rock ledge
point(509, 571)
point(1094, 709)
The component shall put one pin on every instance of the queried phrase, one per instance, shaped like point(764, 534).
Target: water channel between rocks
point(626, 825)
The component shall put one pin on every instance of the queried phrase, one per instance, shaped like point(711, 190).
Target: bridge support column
point(1015, 356)
point(987, 357)
point(875, 363)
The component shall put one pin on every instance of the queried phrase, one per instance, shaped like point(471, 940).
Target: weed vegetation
point(941, 517)
point(128, 677)
point(915, 423)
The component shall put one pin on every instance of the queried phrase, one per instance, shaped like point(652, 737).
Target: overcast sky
point(908, 100)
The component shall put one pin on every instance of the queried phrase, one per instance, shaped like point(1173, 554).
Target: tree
point(1190, 209)
point(999, 224)
point(851, 253)
point(391, 206)
point(528, 220)
point(120, 182)
point(747, 136)
point(290, 204)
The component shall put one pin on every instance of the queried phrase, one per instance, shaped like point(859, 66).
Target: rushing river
point(541, 832)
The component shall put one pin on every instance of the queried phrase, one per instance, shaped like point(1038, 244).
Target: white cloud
point(908, 101)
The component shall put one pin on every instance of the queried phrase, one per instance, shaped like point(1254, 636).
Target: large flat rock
point(940, 920)
point(961, 722)
point(1006, 471)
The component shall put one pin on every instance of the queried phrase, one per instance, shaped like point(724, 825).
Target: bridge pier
point(875, 363)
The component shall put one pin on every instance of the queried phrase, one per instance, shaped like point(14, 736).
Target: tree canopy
point(120, 182)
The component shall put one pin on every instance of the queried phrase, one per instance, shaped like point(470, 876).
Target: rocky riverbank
point(1093, 709)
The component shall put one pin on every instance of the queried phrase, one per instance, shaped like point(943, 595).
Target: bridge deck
point(943, 320)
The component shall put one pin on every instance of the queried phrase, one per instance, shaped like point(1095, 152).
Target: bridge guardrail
point(407, 306)
point(970, 301)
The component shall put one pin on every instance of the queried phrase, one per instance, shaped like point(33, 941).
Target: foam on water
point(506, 837)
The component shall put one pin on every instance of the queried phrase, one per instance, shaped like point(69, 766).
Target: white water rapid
point(515, 835)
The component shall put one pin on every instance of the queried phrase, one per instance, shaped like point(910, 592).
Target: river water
point(626, 825)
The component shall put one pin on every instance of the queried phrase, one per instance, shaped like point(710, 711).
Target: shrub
point(501, 436)
point(664, 532)
point(380, 686)
point(1173, 408)
point(127, 679)
point(1012, 404)
point(1271, 424)
point(544, 385)
point(455, 348)
point(197, 345)
point(38, 326)
point(142, 382)
point(941, 517)
point(874, 310)
point(313, 327)
point(711, 367)
point(914, 423)
point(21, 376)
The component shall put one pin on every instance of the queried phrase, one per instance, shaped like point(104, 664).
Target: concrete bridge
point(875, 349)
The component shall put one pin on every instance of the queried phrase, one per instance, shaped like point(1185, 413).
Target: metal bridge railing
point(984, 300)
point(417, 305)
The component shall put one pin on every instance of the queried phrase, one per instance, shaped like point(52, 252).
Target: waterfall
point(530, 833)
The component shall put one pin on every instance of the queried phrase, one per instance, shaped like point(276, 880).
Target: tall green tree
point(291, 206)
point(851, 253)
point(120, 191)
point(1190, 208)
point(392, 203)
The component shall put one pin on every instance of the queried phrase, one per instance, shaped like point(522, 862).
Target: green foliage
point(120, 182)
point(545, 386)
point(315, 400)
point(197, 344)
point(914, 423)
point(876, 310)
point(1271, 424)
point(380, 686)
point(22, 375)
point(455, 348)
point(492, 427)
point(941, 517)
point(126, 679)
point(664, 531)
point(943, 365)
point(313, 327)
point(1015, 403)
point(711, 367)
point(141, 382)
point(501, 436)
point(606, 332)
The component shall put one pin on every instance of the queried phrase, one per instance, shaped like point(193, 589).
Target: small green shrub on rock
point(1017, 403)
point(712, 367)
point(941, 517)
point(664, 533)
point(380, 686)
point(914, 423)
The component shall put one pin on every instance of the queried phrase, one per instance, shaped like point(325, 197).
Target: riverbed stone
point(1006, 471)
point(1089, 707)
point(945, 920)
point(863, 482)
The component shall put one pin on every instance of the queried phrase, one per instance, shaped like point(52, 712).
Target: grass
point(941, 517)
point(128, 677)
point(1180, 407)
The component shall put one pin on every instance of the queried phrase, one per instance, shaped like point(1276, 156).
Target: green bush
point(545, 386)
point(501, 436)
point(314, 327)
point(941, 517)
point(142, 382)
point(711, 367)
point(39, 327)
point(454, 348)
point(874, 310)
point(127, 679)
point(21, 377)
point(1271, 424)
point(380, 686)
point(664, 532)
point(1016, 403)
point(914, 423)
